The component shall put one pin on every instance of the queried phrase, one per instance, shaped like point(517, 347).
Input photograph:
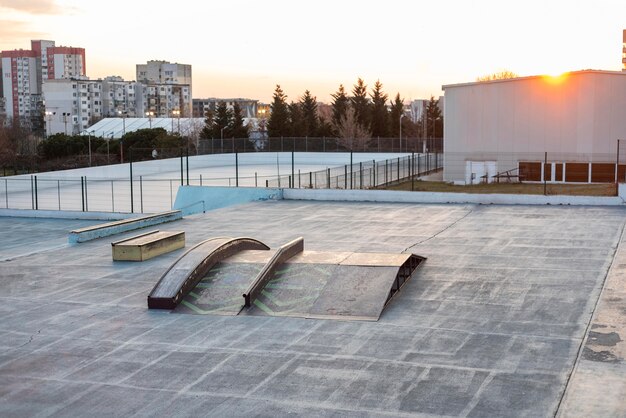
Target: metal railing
point(362, 175)
point(146, 194)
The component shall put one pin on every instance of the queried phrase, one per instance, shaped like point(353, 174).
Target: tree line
point(224, 123)
point(359, 115)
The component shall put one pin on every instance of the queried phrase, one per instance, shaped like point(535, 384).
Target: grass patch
point(509, 188)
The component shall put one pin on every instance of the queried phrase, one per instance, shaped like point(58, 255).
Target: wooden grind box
point(146, 246)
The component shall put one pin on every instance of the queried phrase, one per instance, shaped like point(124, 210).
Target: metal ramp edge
point(185, 273)
point(284, 253)
point(405, 272)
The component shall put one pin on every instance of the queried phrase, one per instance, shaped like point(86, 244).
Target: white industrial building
point(506, 127)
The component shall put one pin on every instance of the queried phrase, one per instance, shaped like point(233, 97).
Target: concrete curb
point(65, 214)
point(117, 227)
point(390, 196)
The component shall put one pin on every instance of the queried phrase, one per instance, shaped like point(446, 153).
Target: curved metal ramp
point(191, 267)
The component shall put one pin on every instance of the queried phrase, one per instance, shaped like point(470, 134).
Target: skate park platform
point(230, 276)
point(517, 311)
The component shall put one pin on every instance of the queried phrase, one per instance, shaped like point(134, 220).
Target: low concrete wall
point(66, 214)
point(196, 199)
point(433, 197)
point(99, 231)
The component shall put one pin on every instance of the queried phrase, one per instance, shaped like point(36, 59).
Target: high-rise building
point(25, 71)
point(158, 72)
point(19, 84)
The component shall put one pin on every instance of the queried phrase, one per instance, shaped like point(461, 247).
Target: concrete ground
point(496, 322)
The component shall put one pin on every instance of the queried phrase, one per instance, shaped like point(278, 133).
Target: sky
point(244, 48)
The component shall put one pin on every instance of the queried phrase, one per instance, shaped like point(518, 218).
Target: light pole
point(65, 115)
point(401, 116)
point(49, 116)
point(89, 142)
point(149, 114)
point(123, 115)
point(177, 113)
point(108, 141)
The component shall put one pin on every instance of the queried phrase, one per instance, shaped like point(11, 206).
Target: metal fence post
point(36, 195)
point(398, 169)
point(412, 170)
point(345, 177)
point(6, 192)
point(310, 179)
point(82, 192)
point(328, 176)
point(187, 163)
point(360, 175)
point(32, 193)
point(236, 169)
point(181, 166)
point(293, 171)
point(86, 197)
point(141, 192)
point(351, 182)
point(130, 156)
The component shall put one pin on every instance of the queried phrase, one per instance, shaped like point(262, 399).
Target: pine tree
point(295, 120)
point(434, 119)
point(397, 109)
point(310, 121)
point(222, 122)
point(380, 115)
point(361, 104)
point(237, 128)
point(340, 105)
point(278, 123)
point(207, 130)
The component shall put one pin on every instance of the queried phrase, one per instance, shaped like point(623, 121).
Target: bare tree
point(351, 134)
point(500, 75)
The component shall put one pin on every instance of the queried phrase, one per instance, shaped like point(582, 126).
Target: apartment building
point(72, 105)
point(156, 73)
point(249, 107)
point(25, 71)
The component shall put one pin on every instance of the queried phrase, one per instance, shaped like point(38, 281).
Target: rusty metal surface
point(251, 256)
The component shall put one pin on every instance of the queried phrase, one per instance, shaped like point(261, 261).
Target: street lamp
point(49, 116)
point(108, 141)
point(123, 115)
point(401, 116)
point(65, 115)
point(177, 113)
point(149, 114)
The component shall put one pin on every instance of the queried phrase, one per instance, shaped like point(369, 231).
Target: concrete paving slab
point(490, 325)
